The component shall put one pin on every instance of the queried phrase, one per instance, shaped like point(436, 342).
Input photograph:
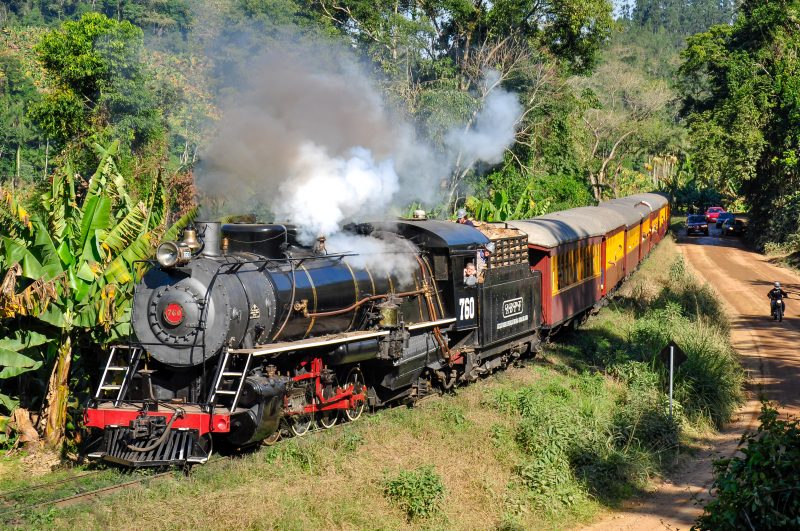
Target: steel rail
point(77, 498)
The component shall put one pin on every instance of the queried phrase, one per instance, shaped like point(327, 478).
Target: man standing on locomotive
point(463, 218)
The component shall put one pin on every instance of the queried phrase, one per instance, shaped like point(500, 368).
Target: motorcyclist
point(776, 294)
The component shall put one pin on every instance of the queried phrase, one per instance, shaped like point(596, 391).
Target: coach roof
point(558, 228)
point(609, 218)
point(652, 200)
point(631, 215)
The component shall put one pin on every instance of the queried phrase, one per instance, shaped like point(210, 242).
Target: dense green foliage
point(760, 488)
point(94, 81)
point(679, 18)
point(740, 85)
point(68, 272)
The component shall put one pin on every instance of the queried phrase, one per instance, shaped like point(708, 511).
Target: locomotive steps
point(549, 444)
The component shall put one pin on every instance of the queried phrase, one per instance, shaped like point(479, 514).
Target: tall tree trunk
point(15, 180)
point(57, 396)
point(46, 156)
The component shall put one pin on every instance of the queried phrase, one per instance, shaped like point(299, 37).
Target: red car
point(713, 213)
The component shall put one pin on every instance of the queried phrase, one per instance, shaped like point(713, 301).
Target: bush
point(710, 382)
point(419, 493)
point(565, 435)
point(760, 489)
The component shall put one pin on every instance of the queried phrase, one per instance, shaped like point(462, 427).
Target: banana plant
point(499, 206)
point(69, 268)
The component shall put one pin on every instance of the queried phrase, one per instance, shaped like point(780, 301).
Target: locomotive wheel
point(301, 424)
point(328, 419)
point(355, 378)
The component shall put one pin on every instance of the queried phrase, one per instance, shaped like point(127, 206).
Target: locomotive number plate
point(467, 308)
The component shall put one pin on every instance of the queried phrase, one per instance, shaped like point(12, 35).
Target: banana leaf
point(23, 339)
point(14, 363)
point(96, 216)
point(178, 226)
point(16, 253)
point(156, 203)
point(122, 269)
point(54, 315)
point(46, 250)
point(9, 403)
point(126, 231)
point(14, 220)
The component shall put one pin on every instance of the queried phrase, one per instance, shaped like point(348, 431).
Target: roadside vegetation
point(546, 445)
point(758, 488)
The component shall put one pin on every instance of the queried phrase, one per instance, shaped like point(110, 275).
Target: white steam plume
point(322, 193)
point(493, 128)
point(313, 140)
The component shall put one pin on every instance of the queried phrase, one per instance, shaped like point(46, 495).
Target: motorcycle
point(777, 310)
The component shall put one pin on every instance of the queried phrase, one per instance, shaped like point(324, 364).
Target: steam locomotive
point(244, 335)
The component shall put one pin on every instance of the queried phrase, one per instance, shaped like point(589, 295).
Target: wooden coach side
point(612, 252)
point(566, 248)
point(633, 221)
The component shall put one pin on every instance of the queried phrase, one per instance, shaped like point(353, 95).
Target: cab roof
point(433, 233)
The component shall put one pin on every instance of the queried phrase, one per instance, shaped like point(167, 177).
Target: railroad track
point(6, 498)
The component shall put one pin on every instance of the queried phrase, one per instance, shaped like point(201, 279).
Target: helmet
point(777, 284)
point(461, 213)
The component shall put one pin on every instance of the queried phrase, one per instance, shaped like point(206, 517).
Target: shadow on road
point(775, 356)
point(714, 239)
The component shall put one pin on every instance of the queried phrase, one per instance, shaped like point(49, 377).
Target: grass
point(545, 446)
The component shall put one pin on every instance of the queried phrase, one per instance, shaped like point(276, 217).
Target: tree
point(572, 30)
point(19, 138)
point(69, 271)
point(740, 86)
point(622, 107)
point(681, 18)
point(98, 82)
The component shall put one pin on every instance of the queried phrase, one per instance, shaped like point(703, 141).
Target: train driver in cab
point(470, 274)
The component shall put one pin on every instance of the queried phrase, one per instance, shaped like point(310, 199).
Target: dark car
point(723, 217)
point(713, 213)
point(734, 227)
point(696, 223)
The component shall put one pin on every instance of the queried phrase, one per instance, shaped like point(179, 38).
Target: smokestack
point(210, 233)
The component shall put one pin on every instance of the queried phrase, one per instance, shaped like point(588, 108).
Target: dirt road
point(770, 352)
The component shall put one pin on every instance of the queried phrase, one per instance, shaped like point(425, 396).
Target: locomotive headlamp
point(171, 254)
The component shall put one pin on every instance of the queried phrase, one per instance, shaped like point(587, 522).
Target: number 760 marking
point(467, 308)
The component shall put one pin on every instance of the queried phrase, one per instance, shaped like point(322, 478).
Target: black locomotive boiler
point(242, 334)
